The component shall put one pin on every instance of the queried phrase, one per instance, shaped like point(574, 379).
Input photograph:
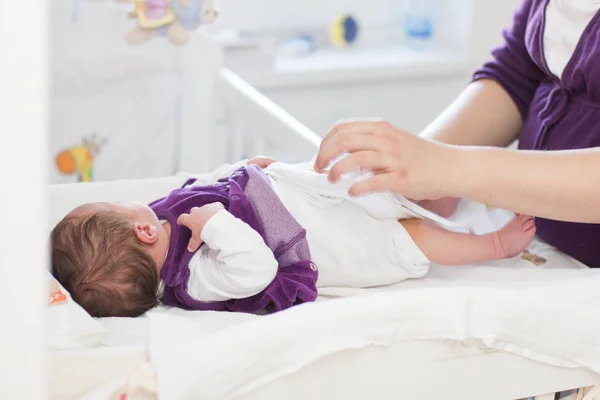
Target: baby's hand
point(196, 220)
point(262, 162)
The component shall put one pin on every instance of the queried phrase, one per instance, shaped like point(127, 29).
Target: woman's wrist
point(460, 171)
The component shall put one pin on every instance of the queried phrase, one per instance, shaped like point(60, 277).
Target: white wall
point(490, 17)
point(22, 241)
point(410, 103)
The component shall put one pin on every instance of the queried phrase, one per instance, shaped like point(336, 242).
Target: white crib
point(221, 118)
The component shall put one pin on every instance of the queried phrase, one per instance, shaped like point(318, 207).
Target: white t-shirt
point(566, 21)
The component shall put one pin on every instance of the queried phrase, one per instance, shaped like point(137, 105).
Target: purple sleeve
point(512, 66)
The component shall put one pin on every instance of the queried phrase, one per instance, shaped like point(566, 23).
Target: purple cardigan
point(247, 195)
point(558, 114)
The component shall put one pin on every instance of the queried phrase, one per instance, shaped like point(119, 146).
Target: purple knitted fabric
point(247, 195)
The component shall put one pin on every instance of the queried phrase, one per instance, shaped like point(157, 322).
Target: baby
point(256, 236)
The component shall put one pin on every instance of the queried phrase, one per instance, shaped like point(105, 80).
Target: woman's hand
point(403, 163)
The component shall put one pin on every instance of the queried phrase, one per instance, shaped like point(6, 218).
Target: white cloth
point(566, 20)
point(507, 308)
point(354, 242)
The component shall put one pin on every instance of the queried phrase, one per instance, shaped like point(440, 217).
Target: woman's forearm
point(483, 115)
point(559, 185)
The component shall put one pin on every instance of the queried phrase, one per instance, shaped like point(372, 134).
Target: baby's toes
point(525, 221)
point(528, 225)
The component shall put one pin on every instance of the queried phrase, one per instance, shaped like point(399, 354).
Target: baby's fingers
point(262, 162)
point(194, 244)
point(184, 219)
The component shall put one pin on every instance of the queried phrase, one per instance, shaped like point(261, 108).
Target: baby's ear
point(145, 233)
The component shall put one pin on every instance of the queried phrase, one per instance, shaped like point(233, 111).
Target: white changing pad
point(547, 314)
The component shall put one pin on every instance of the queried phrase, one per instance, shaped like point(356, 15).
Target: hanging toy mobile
point(171, 18)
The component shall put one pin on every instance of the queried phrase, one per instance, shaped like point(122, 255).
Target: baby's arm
point(235, 262)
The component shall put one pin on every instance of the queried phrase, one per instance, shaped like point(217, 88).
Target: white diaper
point(381, 205)
point(355, 242)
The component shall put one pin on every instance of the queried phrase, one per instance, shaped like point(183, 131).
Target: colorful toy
point(297, 47)
point(344, 31)
point(171, 18)
point(80, 159)
point(55, 295)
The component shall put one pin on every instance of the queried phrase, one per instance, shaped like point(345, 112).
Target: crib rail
point(257, 121)
point(224, 119)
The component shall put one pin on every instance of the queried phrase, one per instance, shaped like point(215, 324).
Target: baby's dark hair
point(105, 268)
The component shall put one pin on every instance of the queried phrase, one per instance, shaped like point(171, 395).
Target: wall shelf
point(356, 66)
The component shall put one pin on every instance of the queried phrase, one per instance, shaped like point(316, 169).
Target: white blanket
point(555, 323)
point(548, 314)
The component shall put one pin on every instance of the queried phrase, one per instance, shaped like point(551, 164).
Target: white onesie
point(354, 242)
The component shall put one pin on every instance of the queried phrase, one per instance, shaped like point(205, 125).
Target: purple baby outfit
point(247, 195)
point(558, 114)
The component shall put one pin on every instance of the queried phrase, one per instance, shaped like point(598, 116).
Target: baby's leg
point(451, 248)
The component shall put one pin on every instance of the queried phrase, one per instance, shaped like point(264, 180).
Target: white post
point(23, 243)
point(199, 149)
point(238, 140)
point(258, 144)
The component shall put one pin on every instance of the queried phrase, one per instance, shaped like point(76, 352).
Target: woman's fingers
point(383, 182)
point(352, 140)
point(366, 160)
point(353, 125)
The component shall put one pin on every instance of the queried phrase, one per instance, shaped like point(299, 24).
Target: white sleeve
point(221, 172)
point(234, 263)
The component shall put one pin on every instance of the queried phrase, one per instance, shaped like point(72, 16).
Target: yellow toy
point(171, 18)
point(80, 159)
point(152, 14)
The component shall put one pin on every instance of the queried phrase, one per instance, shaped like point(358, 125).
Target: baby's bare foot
point(514, 237)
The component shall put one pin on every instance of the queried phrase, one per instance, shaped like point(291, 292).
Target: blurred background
point(116, 108)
